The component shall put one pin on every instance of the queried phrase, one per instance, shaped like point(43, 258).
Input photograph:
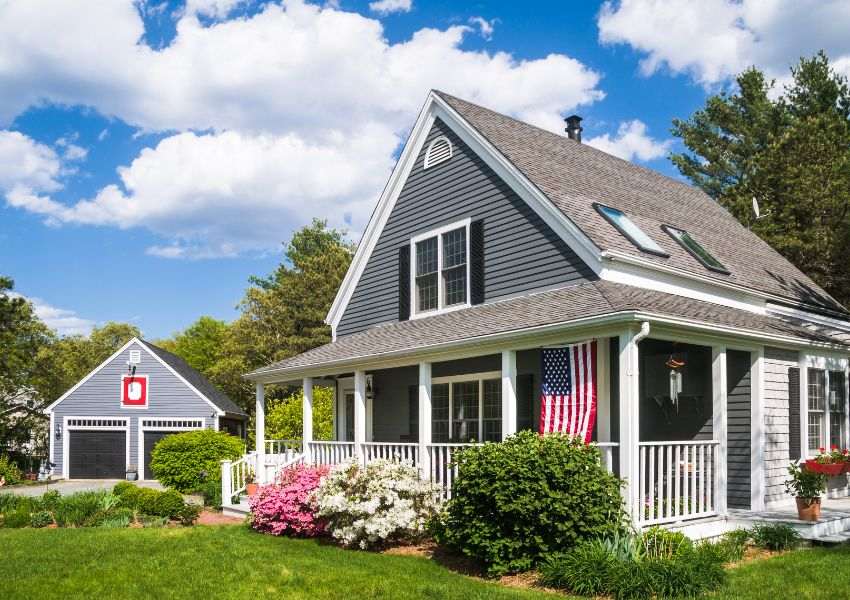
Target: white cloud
point(61, 320)
point(27, 164)
point(712, 40)
point(485, 27)
point(302, 108)
point(631, 142)
point(386, 7)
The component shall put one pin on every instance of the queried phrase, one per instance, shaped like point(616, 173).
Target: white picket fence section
point(676, 480)
point(396, 452)
point(330, 453)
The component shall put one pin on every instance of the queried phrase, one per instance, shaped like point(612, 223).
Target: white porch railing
point(234, 477)
point(330, 453)
point(608, 450)
point(283, 446)
point(676, 481)
point(401, 452)
point(442, 470)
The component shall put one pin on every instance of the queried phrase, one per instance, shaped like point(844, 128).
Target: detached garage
point(110, 421)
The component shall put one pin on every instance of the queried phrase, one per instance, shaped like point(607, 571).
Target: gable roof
point(196, 379)
point(573, 176)
point(545, 311)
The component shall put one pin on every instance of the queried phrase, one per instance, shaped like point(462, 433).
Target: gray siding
point(739, 414)
point(776, 457)
point(521, 252)
point(100, 396)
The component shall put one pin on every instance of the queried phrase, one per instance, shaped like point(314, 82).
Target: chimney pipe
point(574, 127)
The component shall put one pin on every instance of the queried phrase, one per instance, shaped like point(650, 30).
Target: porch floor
point(237, 510)
point(833, 527)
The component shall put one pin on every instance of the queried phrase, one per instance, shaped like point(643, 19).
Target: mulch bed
point(211, 517)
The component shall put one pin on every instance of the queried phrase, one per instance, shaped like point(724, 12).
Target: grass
point(218, 562)
point(802, 575)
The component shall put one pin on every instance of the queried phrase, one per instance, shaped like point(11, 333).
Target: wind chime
point(674, 363)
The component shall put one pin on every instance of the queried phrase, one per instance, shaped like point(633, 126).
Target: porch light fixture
point(58, 432)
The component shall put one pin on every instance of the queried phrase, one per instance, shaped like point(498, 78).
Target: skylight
point(695, 249)
point(632, 232)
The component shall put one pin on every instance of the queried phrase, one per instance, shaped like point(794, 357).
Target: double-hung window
point(467, 408)
point(441, 274)
point(817, 409)
point(837, 409)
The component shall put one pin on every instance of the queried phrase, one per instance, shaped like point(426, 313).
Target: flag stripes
point(568, 390)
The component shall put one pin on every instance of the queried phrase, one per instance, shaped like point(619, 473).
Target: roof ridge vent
point(439, 150)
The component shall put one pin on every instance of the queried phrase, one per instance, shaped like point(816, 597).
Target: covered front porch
point(676, 419)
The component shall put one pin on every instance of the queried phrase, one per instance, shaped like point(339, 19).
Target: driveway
point(75, 485)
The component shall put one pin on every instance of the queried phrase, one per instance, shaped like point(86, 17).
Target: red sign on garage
point(134, 391)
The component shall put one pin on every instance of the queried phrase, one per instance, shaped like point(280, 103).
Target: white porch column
point(359, 411)
point(508, 393)
point(630, 423)
point(719, 387)
point(804, 406)
point(260, 433)
point(424, 418)
point(757, 430)
point(307, 418)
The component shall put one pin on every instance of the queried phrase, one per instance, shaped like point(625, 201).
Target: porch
point(676, 420)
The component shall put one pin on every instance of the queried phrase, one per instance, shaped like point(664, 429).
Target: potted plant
point(832, 463)
point(132, 473)
point(250, 485)
point(806, 486)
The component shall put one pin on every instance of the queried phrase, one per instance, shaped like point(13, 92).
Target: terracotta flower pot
point(251, 488)
point(808, 509)
point(830, 470)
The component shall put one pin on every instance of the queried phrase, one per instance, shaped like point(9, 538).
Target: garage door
point(151, 438)
point(97, 454)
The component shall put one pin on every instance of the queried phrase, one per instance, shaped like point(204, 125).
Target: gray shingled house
point(717, 361)
point(112, 418)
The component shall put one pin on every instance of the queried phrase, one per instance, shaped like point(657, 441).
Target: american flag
point(568, 390)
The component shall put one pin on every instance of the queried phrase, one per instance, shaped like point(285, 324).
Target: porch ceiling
point(552, 311)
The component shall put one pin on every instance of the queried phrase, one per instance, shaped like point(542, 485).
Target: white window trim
point(66, 441)
point(438, 233)
point(147, 393)
point(429, 163)
point(465, 378)
point(826, 363)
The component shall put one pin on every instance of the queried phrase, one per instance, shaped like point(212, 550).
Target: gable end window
point(695, 249)
point(440, 277)
point(440, 150)
point(629, 230)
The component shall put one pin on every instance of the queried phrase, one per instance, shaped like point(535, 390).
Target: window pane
point(838, 408)
point(440, 413)
point(695, 248)
point(454, 248)
point(493, 410)
point(815, 429)
point(836, 391)
point(426, 292)
point(426, 256)
point(836, 427)
point(634, 233)
point(465, 408)
point(454, 284)
point(817, 391)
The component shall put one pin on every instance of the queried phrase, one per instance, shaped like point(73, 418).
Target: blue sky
point(155, 155)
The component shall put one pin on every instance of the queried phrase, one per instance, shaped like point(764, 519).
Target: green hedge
point(183, 461)
point(517, 501)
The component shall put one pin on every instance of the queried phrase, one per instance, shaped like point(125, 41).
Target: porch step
point(832, 528)
point(237, 510)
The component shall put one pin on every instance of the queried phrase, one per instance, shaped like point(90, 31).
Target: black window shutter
point(404, 283)
point(794, 449)
point(476, 262)
point(525, 402)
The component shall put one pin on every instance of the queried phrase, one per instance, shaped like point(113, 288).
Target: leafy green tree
point(790, 151)
point(284, 419)
point(201, 344)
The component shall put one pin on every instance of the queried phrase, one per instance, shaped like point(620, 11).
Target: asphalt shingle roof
point(197, 380)
point(574, 175)
point(537, 310)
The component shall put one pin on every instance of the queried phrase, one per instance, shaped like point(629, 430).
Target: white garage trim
point(175, 424)
point(91, 424)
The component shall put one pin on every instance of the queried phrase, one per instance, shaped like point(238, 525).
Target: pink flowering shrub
point(284, 508)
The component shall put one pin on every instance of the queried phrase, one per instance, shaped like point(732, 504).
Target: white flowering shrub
point(375, 505)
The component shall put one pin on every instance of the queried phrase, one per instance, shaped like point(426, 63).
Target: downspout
point(644, 331)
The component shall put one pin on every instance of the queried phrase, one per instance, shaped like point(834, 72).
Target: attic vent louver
point(135, 357)
point(439, 150)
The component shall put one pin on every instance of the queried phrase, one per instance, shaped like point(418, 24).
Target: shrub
point(168, 504)
point(284, 508)
point(9, 502)
point(380, 503)
point(661, 543)
point(20, 517)
point(76, 509)
point(116, 522)
point(184, 460)
point(585, 570)
point(146, 499)
point(41, 518)
point(151, 521)
point(9, 471)
point(210, 490)
point(122, 487)
point(519, 500)
point(775, 536)
point(50, 500)
point(733, 544)
point(189, 514)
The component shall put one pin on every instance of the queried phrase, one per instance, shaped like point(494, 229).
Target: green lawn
point(216, 562)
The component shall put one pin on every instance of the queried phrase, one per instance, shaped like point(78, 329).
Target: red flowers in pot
point(832, 463)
